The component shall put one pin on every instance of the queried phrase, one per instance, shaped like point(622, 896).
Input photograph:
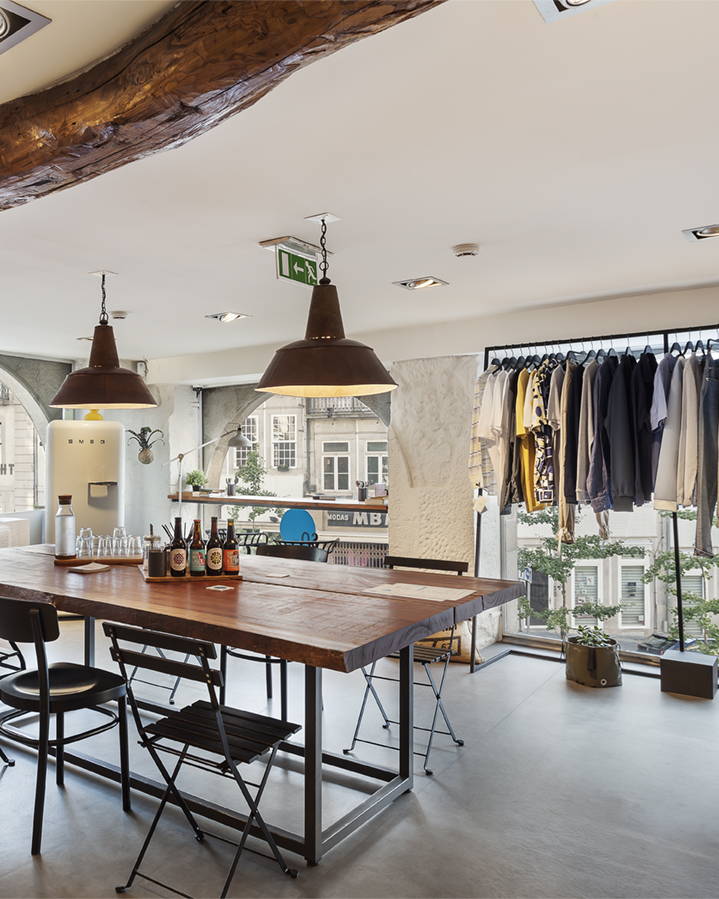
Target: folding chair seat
point(204, 735)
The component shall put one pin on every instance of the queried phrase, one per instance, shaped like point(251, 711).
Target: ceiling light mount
point(465, 249)
point(551, 10)
point(227, 317)
point(701, 232)
point(421, 283)
point(18, 23)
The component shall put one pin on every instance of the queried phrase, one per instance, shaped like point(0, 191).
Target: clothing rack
point(663, 336)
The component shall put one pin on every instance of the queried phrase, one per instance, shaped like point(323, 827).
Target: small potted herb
point(196, 479)
point(593, 658)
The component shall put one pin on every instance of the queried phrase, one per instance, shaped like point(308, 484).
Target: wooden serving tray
point(188, 577)
point(102, 560)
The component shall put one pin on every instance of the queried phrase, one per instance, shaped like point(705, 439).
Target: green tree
point(251, 480)
point(557, 561)
point(699, 609)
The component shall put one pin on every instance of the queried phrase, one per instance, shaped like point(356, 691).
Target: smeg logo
point(81, 441)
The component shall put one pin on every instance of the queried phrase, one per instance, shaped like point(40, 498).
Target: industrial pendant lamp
point(325, 363)
point(103, 384)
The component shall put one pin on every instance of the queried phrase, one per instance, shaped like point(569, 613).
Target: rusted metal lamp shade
point(325, 363)
point(103, 384)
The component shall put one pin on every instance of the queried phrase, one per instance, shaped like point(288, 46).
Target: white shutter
point(632, 595)
point(586, 589)
point(692, 583)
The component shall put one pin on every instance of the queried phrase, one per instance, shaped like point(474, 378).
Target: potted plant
point(593, 658)
point(196, 479)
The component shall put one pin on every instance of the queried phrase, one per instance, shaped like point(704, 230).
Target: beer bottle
point(213, 552)
point(231, 551)
point(197, 552)
point(178, 552)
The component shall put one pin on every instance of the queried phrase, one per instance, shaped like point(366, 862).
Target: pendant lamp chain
point(103, 309)
point(324, 265)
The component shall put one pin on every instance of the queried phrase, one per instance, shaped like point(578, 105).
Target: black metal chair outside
point(55, 690)
point(426, 653)
point(304, 552)
point(221, 738)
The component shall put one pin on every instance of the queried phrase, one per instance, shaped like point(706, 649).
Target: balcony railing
point(342, 406)
point(361, 555)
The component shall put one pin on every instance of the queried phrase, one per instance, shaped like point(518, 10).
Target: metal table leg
point(313, 764)
point(473, 647)
point(406, 716)
point(90, 642)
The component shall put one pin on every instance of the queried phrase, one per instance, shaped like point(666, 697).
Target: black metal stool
point(424, 655)
point(222, 738)
point(55, 690)
point(5, 656)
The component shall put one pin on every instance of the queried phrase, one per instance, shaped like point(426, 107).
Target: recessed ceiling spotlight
point(551, 10)
point(465, 249)
point(703, 232)
point(17, 23)
point(226, 317)
point(421, 283)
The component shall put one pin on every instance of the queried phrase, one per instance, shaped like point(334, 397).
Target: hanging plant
point(144, 438)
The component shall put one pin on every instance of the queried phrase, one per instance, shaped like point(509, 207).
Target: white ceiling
point(80, 33)
point(574, 153)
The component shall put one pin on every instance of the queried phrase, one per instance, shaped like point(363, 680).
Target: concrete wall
point(431, 501)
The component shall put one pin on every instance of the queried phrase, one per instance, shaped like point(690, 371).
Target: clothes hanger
point(688, 346)
point(611, 352)
point(627, 352)
point(699, 346)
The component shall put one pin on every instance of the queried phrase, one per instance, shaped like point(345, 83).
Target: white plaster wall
point(431, 498)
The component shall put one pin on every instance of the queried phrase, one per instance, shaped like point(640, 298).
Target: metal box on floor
point(689, 673)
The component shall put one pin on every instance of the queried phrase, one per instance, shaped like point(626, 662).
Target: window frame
point(585, 563)
point(383, 461)
point(251, 422)
point(275, 443)
point(335, 456)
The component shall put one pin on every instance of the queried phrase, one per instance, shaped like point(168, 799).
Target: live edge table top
point(319, 615)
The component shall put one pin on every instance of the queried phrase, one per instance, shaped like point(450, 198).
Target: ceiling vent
point(17, 22)
point(551, 10)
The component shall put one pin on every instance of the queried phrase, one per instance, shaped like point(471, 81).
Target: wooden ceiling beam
point(199, 64)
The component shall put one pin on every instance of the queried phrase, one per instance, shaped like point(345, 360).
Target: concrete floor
point(560, 791)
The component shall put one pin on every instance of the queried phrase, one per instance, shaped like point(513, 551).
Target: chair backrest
point(22, 621)
point(137, 636)
point(459, 568)
point(328, 545)
point(247, 541)
point(297, 551)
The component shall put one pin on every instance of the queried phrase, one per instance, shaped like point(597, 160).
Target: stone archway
point(34, 382)
point(223, 409)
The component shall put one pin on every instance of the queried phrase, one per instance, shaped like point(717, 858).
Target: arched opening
point(313, 448)
point(23, 429)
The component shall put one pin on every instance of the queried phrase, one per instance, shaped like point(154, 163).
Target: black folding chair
point(222, 738)
point(306, 552)
point(426, 653)
point(55, 690)
point(10, 668)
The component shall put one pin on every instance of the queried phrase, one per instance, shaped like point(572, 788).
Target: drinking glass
point(134, 548)
point(119, 542)
point(104, 546)
point(85, 542)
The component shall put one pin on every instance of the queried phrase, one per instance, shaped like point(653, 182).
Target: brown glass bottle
point(231, 551)
point(213, 552)
point(197, 552)
point(178, 552)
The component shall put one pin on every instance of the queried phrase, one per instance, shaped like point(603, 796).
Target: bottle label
point(231, 560)
point(197, 560)
point(178, 559)
point(214, 558)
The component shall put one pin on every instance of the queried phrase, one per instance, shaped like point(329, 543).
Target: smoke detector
point(465, 249)
point(17, 23)
point(118, 315)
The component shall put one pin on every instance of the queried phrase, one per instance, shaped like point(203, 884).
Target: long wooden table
point(318, 615)
point(279, 502)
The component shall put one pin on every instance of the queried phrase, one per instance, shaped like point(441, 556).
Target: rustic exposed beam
point(199, 64)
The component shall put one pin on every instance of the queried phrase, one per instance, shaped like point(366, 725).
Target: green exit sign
point(293, 267)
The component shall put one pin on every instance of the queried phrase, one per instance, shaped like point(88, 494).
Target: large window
point(586, 590)
point(249, 428)
point(284, 442)
point(377, 461)
point(336, 466)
